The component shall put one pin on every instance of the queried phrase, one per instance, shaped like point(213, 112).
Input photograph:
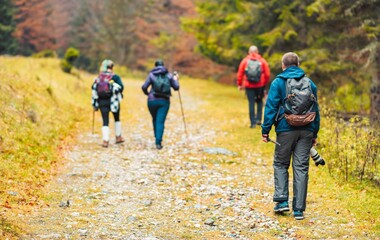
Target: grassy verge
point(342, 204)
point(41, 108)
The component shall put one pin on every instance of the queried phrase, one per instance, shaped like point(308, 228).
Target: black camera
point(318, 160)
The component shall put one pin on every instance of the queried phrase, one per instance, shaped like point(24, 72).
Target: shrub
point(45, 54)
point(66, 66)
point(67, 62)
point(71, 55)
point(351, 147)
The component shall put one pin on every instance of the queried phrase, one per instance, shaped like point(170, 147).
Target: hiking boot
point(252, 126)
point(105, 144)
point(258, 123)
point(120, 139)
point(159, 146)
point(281, 207)
point(298, 215)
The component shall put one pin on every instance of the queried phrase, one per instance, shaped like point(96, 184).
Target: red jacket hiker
point(242, 80)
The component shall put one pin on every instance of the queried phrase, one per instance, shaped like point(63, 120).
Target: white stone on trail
point(99, 174)
point(218, 150)
point(50, 236)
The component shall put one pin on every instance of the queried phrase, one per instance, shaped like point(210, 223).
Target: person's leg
point(251, 105)
point(301, 170)
point(162, 112)
point(116, 115)
point(281, 165)
point(259, 95)
point(152, 106)
point(105, 128)
point(118, 132)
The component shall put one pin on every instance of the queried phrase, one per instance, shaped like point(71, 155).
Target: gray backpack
point(299, 102)
point(253, 70)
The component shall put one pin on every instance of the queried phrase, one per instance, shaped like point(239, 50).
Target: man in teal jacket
point(293, 141)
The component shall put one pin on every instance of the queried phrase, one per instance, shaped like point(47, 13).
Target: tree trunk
point(375, 93)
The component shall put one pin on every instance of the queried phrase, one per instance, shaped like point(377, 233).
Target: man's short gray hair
point(253, 49)
point(290, 59)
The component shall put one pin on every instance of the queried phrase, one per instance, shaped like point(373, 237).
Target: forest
point(205, 40)
point(337, 40)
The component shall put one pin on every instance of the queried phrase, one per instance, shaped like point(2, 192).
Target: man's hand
point(265, 138)
point(95, 109)
point(314, 142)
point(240, 88)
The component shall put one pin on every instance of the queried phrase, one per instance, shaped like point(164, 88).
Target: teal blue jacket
point(275, 100)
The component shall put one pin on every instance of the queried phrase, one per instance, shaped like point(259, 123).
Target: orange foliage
point(34, 30)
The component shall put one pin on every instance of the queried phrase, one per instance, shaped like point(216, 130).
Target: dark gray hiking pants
point(255, 96)
point(296, 144)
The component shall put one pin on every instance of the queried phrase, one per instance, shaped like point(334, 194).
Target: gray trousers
point(294, 144)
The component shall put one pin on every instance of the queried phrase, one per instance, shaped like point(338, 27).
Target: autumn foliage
point(126, 31)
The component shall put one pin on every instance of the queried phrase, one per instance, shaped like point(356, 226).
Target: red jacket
point(242, 78)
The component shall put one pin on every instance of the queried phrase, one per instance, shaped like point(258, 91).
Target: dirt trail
point(133, 191)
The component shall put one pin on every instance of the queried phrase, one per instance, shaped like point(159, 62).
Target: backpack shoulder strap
point(287, 87)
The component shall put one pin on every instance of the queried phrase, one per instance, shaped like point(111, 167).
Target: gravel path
point(133, 191)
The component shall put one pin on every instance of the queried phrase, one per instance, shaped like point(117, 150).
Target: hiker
point(296, 120)
point(161, 81)
point(253, 76)
point(107, 93)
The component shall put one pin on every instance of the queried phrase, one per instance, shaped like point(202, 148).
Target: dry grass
point(41, 108)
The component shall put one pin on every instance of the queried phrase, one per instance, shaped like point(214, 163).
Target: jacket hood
point(254, 56)
point(159, 70)
point(292, 72)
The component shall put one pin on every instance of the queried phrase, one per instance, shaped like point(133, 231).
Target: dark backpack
point(253, 70)
point(299, 102)
point(161, 86)
point(103, 87)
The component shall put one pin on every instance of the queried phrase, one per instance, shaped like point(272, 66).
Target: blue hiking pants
point(158, 109)
point(296, 145)
point(255, 96)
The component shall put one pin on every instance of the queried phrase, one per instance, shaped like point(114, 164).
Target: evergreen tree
point(7, 26)
point(353, 28)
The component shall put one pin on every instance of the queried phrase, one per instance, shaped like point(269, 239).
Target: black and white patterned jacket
point(116, 96)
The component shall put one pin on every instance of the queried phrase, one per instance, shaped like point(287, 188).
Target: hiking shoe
point(281, 207)
point(298, 215)
point(105, 144)
point(159, 146)
point(258, 123)
point(252, 126)
point(120, 139)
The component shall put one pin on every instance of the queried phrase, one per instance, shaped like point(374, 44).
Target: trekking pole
point(183, 114)
point(93, 121)
point(270, 140)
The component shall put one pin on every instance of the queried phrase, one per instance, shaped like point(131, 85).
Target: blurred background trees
point(337, 40)
point(7, 27)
